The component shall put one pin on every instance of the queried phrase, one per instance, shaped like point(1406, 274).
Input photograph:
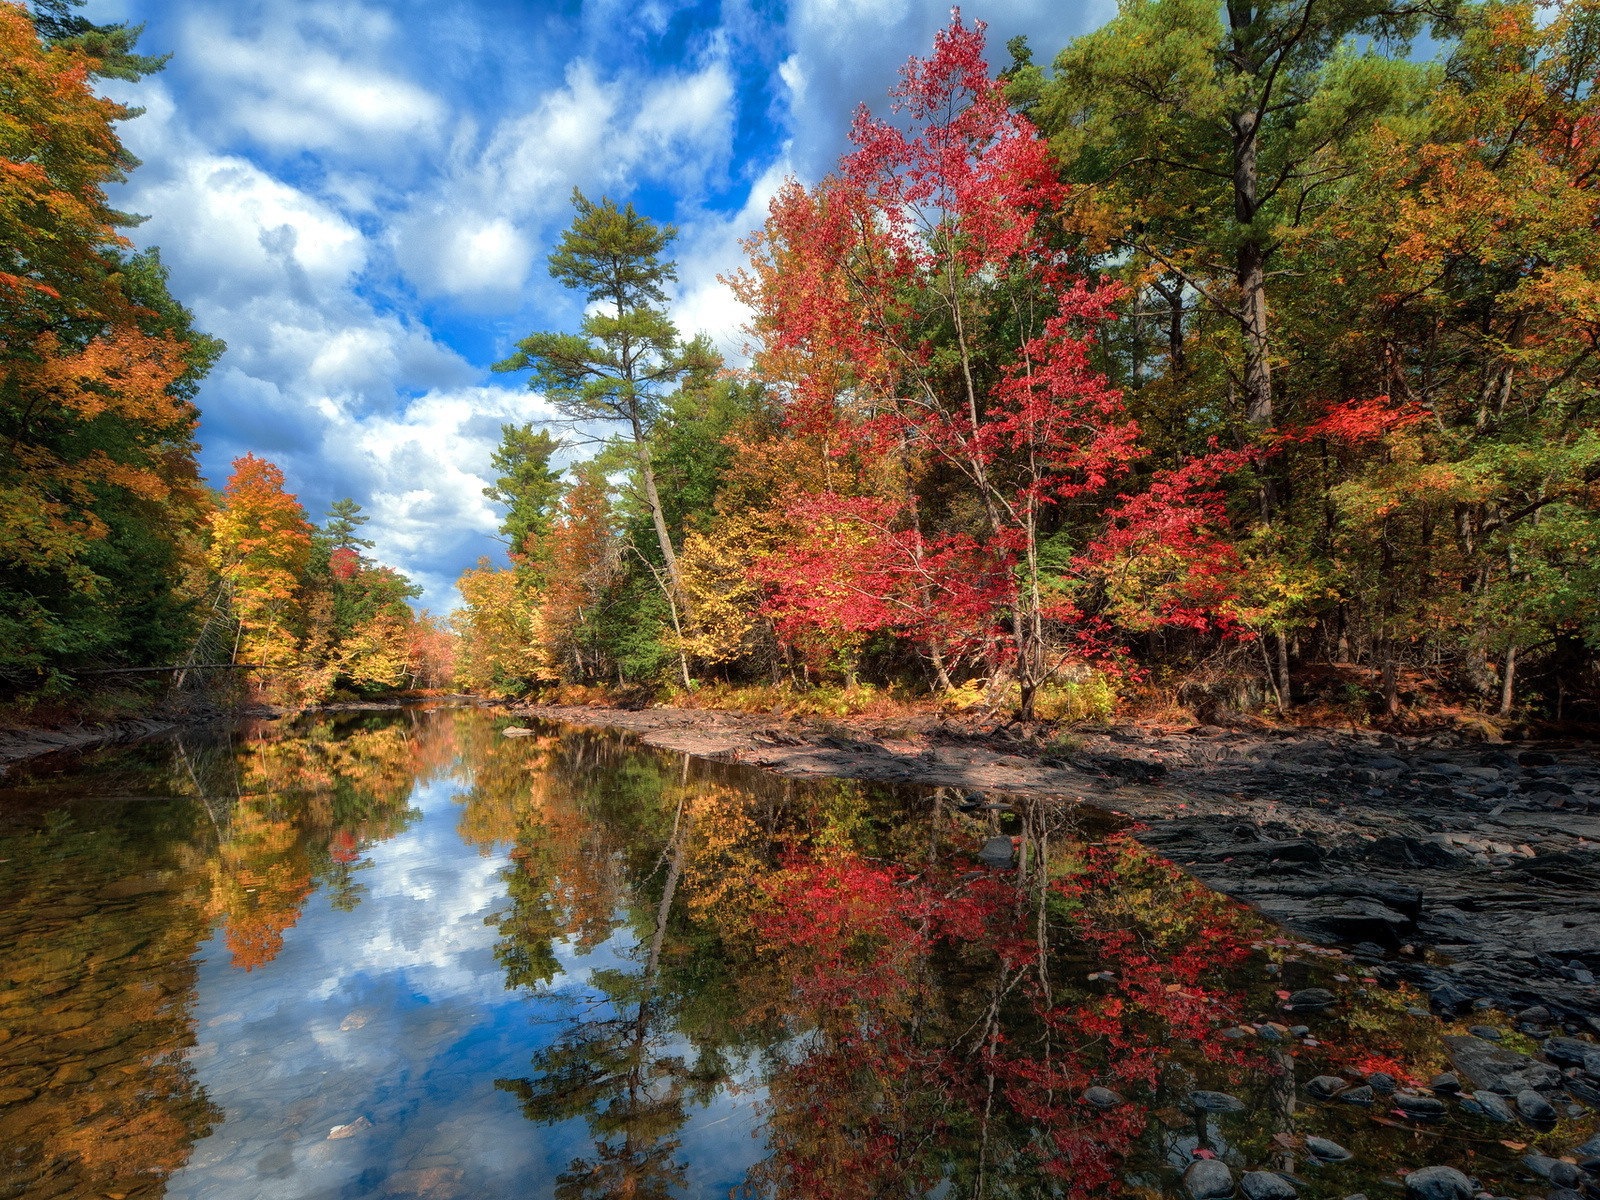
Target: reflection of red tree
point(892, 1069)
point(344, 848)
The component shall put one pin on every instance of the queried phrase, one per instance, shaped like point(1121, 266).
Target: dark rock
point(1535, 1107)
point(1487, 1104)
point(1426, 1107)
point(1446, 1082)
point(1538, 1014)
point(1381, 1081)
point(1208, 1179)
point(1325, 1087)
point(1215, 1102)
point(1266, 1185)
point(1590, 1149)
point(1536, 758)
point(1358, 1095)
point(1102, 1097)
point(1398, 851)
point(1483, 1063)
point(1311, 1000)
point(1568, 1051)
point(1487, 1032)
point(1449, 997)
point(1323, 1150)
point(1439, 1183)
point(1562, 1174)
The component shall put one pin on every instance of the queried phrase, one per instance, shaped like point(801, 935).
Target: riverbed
point(402, 954)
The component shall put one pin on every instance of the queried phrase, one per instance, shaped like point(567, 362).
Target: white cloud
point(307, 78)
point(473, 237)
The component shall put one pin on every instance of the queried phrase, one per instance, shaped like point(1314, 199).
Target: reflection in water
point(407, 956)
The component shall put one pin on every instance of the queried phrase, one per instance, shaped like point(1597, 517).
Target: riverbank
point(1472, 869)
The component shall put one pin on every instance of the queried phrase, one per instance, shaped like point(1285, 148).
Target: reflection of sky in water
point(397, 1012)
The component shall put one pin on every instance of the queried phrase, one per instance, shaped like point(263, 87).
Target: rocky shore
point(1468, 868)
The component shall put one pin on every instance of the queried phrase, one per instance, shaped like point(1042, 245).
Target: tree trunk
point(1508, 679)
point(1250, 260)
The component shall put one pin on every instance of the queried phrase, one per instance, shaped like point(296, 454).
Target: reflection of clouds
point(398, 1012)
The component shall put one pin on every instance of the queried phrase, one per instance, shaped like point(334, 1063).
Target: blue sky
point(359, 197)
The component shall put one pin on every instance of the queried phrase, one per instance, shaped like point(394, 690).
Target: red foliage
point(344, 563)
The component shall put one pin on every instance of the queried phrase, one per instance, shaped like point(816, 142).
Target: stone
point(515, 731)
point(1487, 1104)
point(1311, 1000)
point(1216, 1102)
point(1413, 1105)
point(350, 1130)
point(1535, 1107)
point(1562, 1174)
point(1326, 1151)
point(1101, 1097)
point(1449, 998)
point(1208, 1179)
point(1266, 1185)
point(1484, 1063)
point(1381, 1081)
point(1325, 1087)
point(1487, 1032)
point(1446, 1082)
point(1358, 1095)
point(1568, 1051)
point(1439, 1183)
point(998, 852)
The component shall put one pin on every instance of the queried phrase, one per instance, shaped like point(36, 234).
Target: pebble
point(1487, 1032)
point(1439, 1183)
point(1357, 1095)
point(1208, 1179)
point(1381, 1081)
point(1446, 1082)
point(1102, 1097)
point(350, 1130)
point(1325, 1087)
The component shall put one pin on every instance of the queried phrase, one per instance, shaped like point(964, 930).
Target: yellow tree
point(261, 547)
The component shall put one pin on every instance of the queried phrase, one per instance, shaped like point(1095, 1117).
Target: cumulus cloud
point(472, 236)
point(310, 78)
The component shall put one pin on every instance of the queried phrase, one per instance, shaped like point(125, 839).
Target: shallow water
point(403, 955)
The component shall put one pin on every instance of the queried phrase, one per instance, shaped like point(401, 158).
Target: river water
point(402, 955)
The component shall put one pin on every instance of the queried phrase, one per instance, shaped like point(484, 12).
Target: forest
point(1238, 357)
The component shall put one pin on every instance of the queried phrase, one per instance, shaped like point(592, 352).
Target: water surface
point(402, 955)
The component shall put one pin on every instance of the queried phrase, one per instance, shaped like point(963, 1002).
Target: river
point(403, 955)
